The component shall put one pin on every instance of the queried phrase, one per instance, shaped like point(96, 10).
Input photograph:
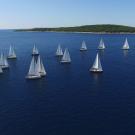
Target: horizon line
point(63, 26)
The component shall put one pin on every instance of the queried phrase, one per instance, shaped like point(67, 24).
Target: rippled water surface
point(69, 100)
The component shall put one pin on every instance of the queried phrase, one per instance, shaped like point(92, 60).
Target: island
point(104, 28)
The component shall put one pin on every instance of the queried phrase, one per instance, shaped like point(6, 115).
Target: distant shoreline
point(94, 29)
point(79, 32)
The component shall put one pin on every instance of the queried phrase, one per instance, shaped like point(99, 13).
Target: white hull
point(125, 48)
point(4, 67)
point(43, 74)
point(32, 77)
point(58, 55)
point(65, 61)
point(82, 49)
point(96, 70)
point(11, 57)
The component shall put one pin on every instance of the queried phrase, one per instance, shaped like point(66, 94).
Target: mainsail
point(1, 71)
point(3, 61)
point(12, 53)
point(126, 45)
point(83, 46)
point(101, 45)
point(66, 57)
point(35, 51)
point(40, 67)
point(59, 51)
point(97, 65)
point(32, 67)
point(33, 70)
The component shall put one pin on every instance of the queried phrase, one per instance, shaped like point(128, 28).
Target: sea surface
point(69, 100)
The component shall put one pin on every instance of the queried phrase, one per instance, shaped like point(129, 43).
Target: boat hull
point(96, 70)
point(43, 74)
point(83, 50)
point(64, 62)
point(101, 48)
point(58, 55)
point(4, 67)
point(11, 57)
point(32, 77)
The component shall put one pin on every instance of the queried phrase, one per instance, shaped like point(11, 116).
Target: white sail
point(40, 67)
point(59, 51)
point(12, 53)
point(83, 46)
point(1, 71)
point(35, 51)
point(66, 57)
point(33, 70)
point(101, 45)
point(3, 61)
point(37, 70)
point(126, 45)
point(32, 67)
point(97, 65)
point(43, 72)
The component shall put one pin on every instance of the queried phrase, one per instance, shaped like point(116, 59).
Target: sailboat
point(11, 54)
point(33, 70)
point(66, 57)
point(101, 45)
point(83, 46)
point(40, 67)
point(59, 51)
point(3, 61)
point(1, 71)
point(97, 65)
point(126, 45)
point(35, 51)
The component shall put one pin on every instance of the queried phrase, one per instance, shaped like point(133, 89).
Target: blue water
point(69, 100)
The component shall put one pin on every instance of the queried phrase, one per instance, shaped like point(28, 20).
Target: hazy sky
point(55, 13)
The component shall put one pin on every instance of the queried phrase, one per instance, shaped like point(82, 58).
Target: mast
point(35, 50)
point(66, 57)
point(101, 45)
point(97, 65)
point(11, 54)
point(126, 45)
point(83, 47)
point(59, 51)
point(33, 70)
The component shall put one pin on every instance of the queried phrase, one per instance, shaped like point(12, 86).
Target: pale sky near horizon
point(56, 13)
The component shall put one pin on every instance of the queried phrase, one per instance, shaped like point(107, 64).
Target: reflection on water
point(37, 85)
point(58, 58)
point(83, 54)
point(96, 76)
point(101, 53)
point(125, 53)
